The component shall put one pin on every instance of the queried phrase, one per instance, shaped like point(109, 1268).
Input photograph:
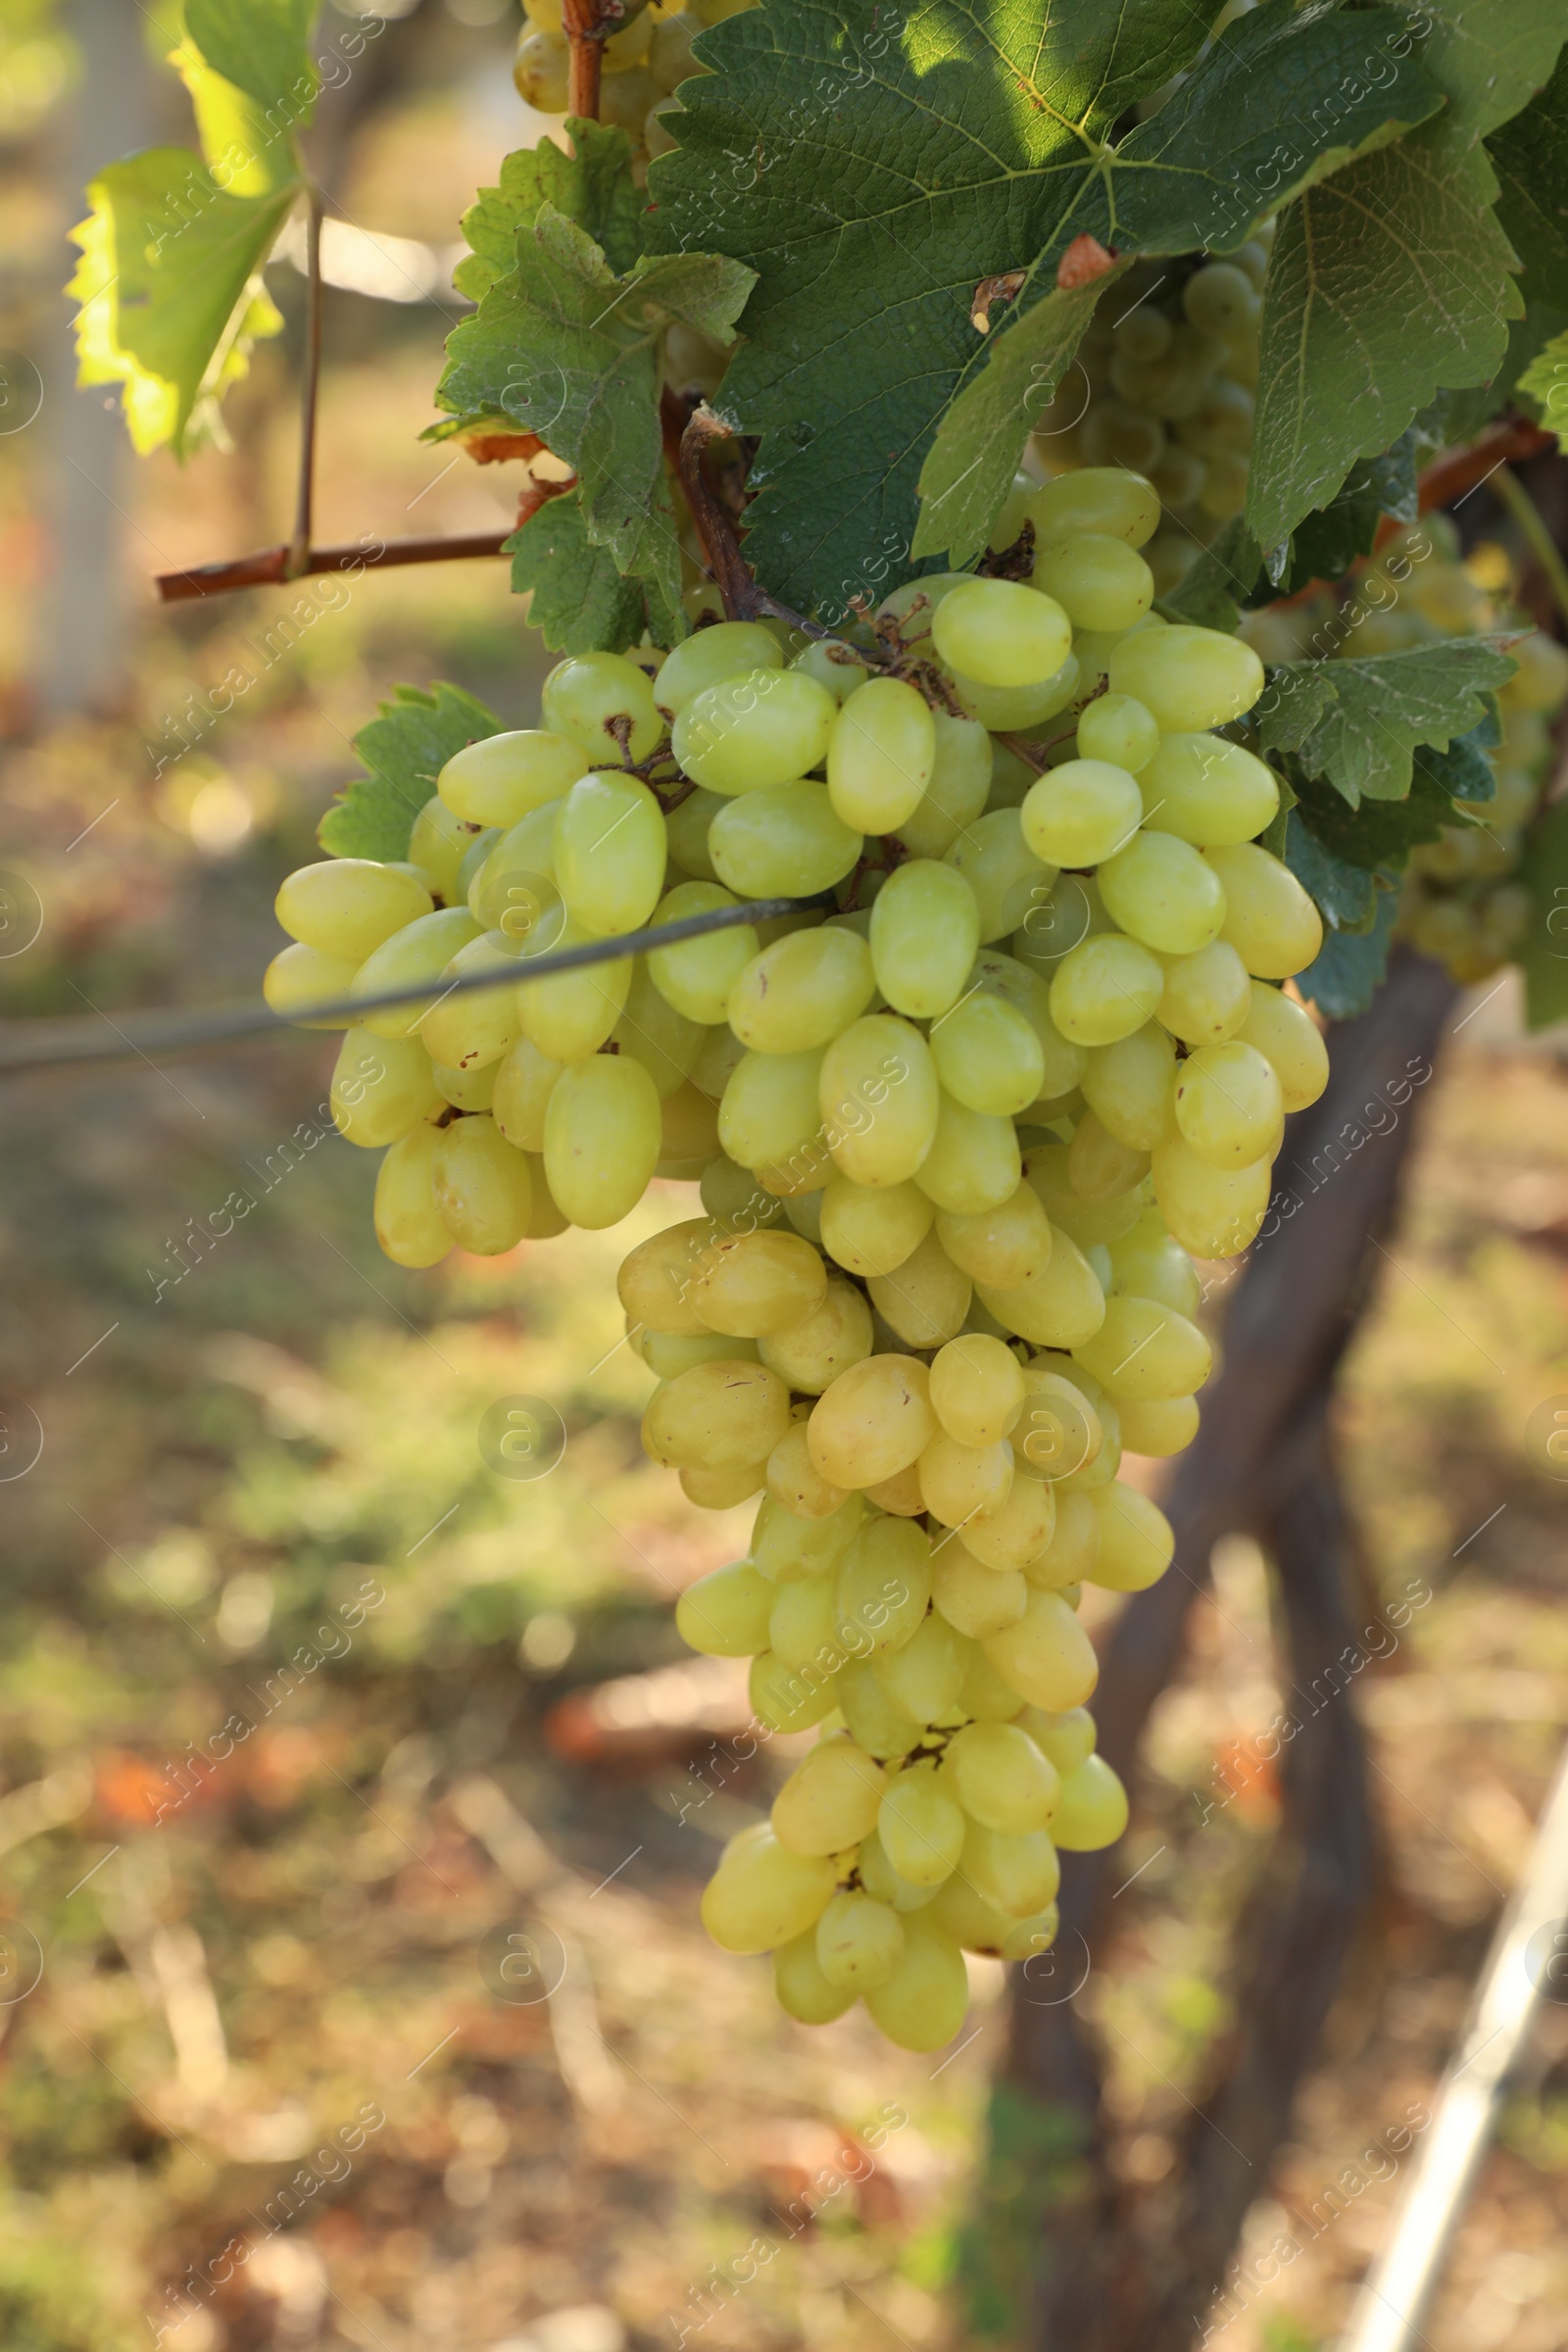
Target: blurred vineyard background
point(261, 1495)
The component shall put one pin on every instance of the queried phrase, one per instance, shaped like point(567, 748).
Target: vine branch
point(299, 552)
point(271, 567)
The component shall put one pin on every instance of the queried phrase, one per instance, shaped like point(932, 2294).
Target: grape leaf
point(405, 748)
point(1379, 835)
point(1346, 892)
point(1324, 545)
point(874, 173)
point(171, 291)
point(592, 186)
point(1356, 723)
point(259, 46)
point(1489, 55)
point(1349, 968)
point(566, 348)
point(1544, 953)
point(1546, 382)
point(1211, 592)
point(1463, 771)
point(580, 601)
point(1529, 155)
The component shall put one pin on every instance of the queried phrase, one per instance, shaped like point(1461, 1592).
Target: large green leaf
point(570, 350)
point(1358, 723)
point(593, 186)
point(1529, 155)
point(1490, 56)
point(581, 603)
point(171, 291)
point(259, 46)
point(874, 170)
point(405, 750)
point(1350, 968)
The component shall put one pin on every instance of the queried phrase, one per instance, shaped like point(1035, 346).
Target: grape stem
point(299, 551)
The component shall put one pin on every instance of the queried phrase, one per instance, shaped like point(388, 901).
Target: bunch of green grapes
point(1164, 385)
point(1461, 901)
point(644, 64)
point(961, 1124)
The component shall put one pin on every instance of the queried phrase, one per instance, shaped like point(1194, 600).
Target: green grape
point(925, 2001)
point(1220, 298)
point(1287, 1037)
point(802, 1990)
point(974, 1599)
point(973, 1163)
point(882, 1586)
point(601, 1142)
point(792, 1479)
point(471, 1032)
point(976, 1389)
point(1105, 989)
point(300, 976)
point(1069, 1557)
point(420, 950)
point(1105, 499)
point(919, 1826)
point(1046, 1656)
point(769, 1120)
point(568, 1015)
point(1008, 710)
point(1018, 1532)
point(1145, 1349)
point(589, 699)
point(718, 1416)
point(985, 1696)
point(913, 605)
point(960, 1483)
point(1269, 919)
point(925, 928)
point(924, 1300)
point(481, 1187)
point(651, 1031)
point(437, 845)
point(871, 1230)
point(832, 665)
point(1092, 1810)
point(1136, 1541)
point(1162, 892)
point(785, 1548)
point(1081, 812)
point(1131, 1086)
point(1033, 1934)
point(752, 1284)
point(878, 1096)
point(1189, 679)
point(761, 1895)
point(541, 71)
point(1098, 582)
point(988, 1055)
point(475, 857)
point(1057, 921)
point(1229, 1105)
point(667, 1353)
point(858, 1941)
point(524, 1081)
point(810, 1353)
point(781, 841)
point(880, 1730)
point(756, 727)
point(1206, 997)
point(346, 906)
point(609, 852)
point(1100, 1168)
point(1119, 731)
point(791, 1699)
point(924, 1677)
point(800, 1625)
point(1059, 1431)
point(409, 1225)
point(958, 790)
point(1048, 1169)
point(967, 1918)
point(501, 777)
point(687, 826)
point(513, 891)
point(1003, 1247)
point(1206, 790)
point(802, 991)
point(465, 1090)
point(1007, 977)
point(1018, 1875)
point(1003, 871)
point(724, 1614)
point(1061, 1306)
point(1067, 1738)
point(1147, 1262)
point(999, 633)
point(709, 657)
point(380, 1087)
point(1001, 1779)
point(881, 755)
point(733, 1196)
point(1159, 1425)
point(1214, 1213)
point(873, 1422)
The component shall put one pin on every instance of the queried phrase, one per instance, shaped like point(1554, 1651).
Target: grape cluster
point(1461, 901)
point(1164, 385)
point(961, 1128)
point(643, 65)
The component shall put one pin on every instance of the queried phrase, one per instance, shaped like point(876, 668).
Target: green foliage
point(1351, 967)
point(1224, 578)
point(1545, 381)
point(259, 45)
point(568, 349)
point(592, 186)
point(1529, 155)
point(1345, 891)
point(1356, 723)
point(580, 602)
point(871, 173)
point(171, 291)
point(405, 750)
